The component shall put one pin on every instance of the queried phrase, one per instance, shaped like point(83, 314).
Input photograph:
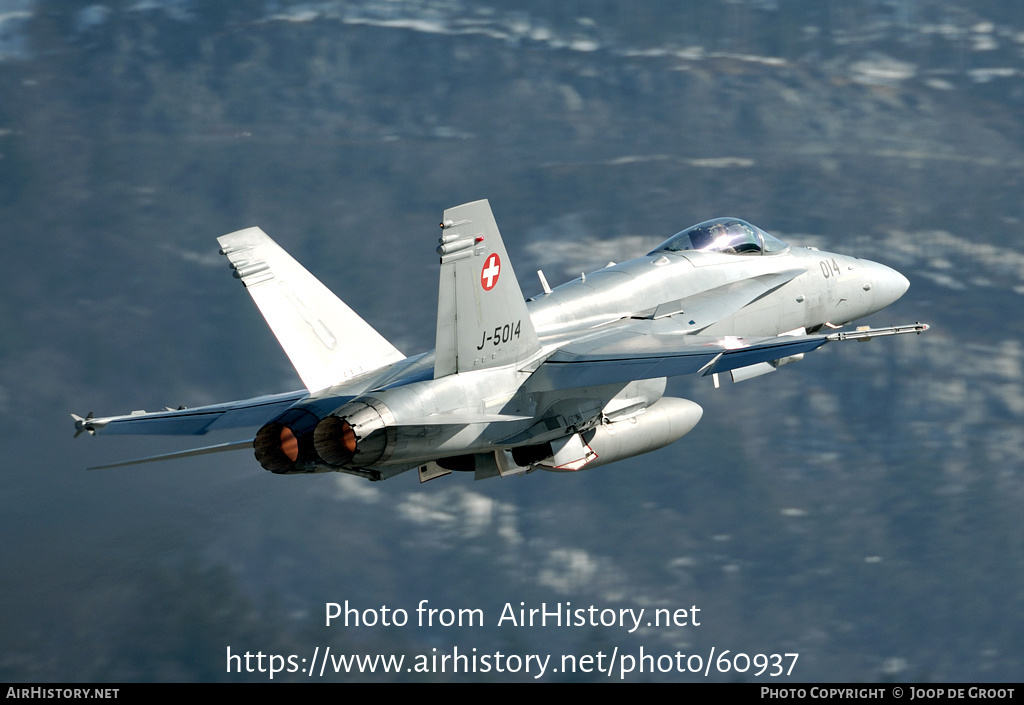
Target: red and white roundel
point(489, 274)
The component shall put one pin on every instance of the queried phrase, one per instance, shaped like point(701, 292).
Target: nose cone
point(888, 284)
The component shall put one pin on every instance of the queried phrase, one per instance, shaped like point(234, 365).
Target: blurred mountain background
point(861, 508)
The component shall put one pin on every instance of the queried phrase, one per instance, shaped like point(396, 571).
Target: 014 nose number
point(829, 268)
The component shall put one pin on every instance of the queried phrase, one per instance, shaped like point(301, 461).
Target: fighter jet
point(568, 380)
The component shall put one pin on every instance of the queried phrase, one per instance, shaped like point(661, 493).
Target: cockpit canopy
point(729, 235)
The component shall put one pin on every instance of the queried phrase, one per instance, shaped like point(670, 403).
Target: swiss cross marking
point(490, 272)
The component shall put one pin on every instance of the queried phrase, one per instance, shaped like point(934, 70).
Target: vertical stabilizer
point(326, 341)
point(482, 320)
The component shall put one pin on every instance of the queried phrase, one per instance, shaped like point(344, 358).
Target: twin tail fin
point(482, 319)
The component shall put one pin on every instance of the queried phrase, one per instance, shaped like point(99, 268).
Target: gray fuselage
point(741, 294)
point(829, 288)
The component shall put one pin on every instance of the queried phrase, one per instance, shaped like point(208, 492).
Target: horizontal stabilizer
point(326, 341)
point(219, 448)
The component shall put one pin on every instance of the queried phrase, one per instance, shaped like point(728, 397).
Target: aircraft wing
point(195, 421)
point(661, 348)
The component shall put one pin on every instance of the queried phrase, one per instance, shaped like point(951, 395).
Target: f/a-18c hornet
point(570, 379)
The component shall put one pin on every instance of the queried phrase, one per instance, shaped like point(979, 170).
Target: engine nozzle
point(359, 434)
point(285, 445)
